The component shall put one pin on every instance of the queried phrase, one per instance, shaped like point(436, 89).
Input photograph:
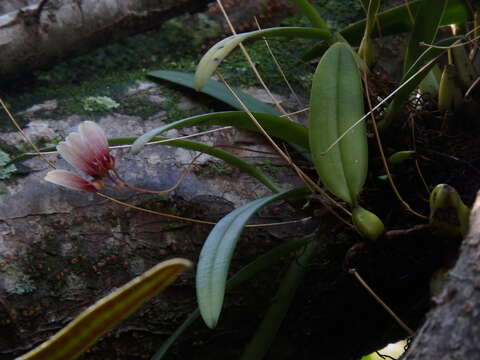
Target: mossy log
point(37, 37)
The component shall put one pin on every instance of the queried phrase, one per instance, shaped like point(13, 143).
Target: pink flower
point(88, 152)
point(73, 181)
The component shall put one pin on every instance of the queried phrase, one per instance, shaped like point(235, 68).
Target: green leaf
point(265, 334)
point(247, 272)
point(85, 329)
point(366, 49)
point(276, 126)
point(427, 21)
point(309, 11)
point(6, 167)
point(413, 77)
point(190, 145)
point(216, 90)
point(212, 59)
point(217, 252)
point(336, 103)
point(397, 20)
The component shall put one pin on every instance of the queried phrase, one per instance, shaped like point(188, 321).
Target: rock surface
point(60, 250)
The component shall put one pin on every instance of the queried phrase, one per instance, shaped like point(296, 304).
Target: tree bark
point(452, 328)
point(32, 40)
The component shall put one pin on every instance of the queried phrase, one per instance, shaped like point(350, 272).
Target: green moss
point(214, 169)
point(176, 45)
point(270, 168)
point(5, 171)
point(99, 103)
point(138, 106)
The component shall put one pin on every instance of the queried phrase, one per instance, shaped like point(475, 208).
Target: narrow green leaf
point(427, 21)
point(216, 90)
point(309, 11)
point(412, 78)
point(247, 272)
point(276, 126)
point(336, 103)
point(212, 59)
point(190, 145)
point(397, 20)
point(366, 49)
point(85, 329)
point(220, 154)
point(265, 334)
point(217, 251)
point(450, 96)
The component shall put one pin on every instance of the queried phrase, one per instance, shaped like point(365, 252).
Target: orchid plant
point(336, 139)
point(87, 151)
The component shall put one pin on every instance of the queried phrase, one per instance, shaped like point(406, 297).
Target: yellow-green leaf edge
point(85, 329)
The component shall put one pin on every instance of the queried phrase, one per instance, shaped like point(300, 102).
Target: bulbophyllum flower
point(73, 181)
point(88, 152)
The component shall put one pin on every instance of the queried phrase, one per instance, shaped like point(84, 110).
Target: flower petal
point(70, 155)
point(70, 180)
point(94, 136)
point(76, 143)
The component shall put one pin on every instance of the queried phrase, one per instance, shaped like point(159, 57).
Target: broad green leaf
point(190, 145)
point(309, 11)
point(336, 103)
point(216, 90)
point(212, 59)
point(397, 20)
point(265, 334)
point(427, 21)
point(276, 126)
point(217, 252)
point(247, 272)
point(85, 329)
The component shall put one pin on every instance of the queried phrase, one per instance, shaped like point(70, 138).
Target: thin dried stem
point(362, 282)
point(382, 154)
point(454, 45)
point(279, 68)
point(27, 139)
point(196, 221)
point(417, 163)
point(470, 89)
point(296, 112)
point(177, 138)
point(165, 141)
point(250, 61)
point(376, 107)
point(161, 192)
point(165, 215)
point(308, 181)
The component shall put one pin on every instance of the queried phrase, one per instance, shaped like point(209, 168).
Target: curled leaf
point(212, 59)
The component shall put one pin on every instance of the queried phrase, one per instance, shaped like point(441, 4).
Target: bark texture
point(452, 329)
point(61, 250)
point(30, 40)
